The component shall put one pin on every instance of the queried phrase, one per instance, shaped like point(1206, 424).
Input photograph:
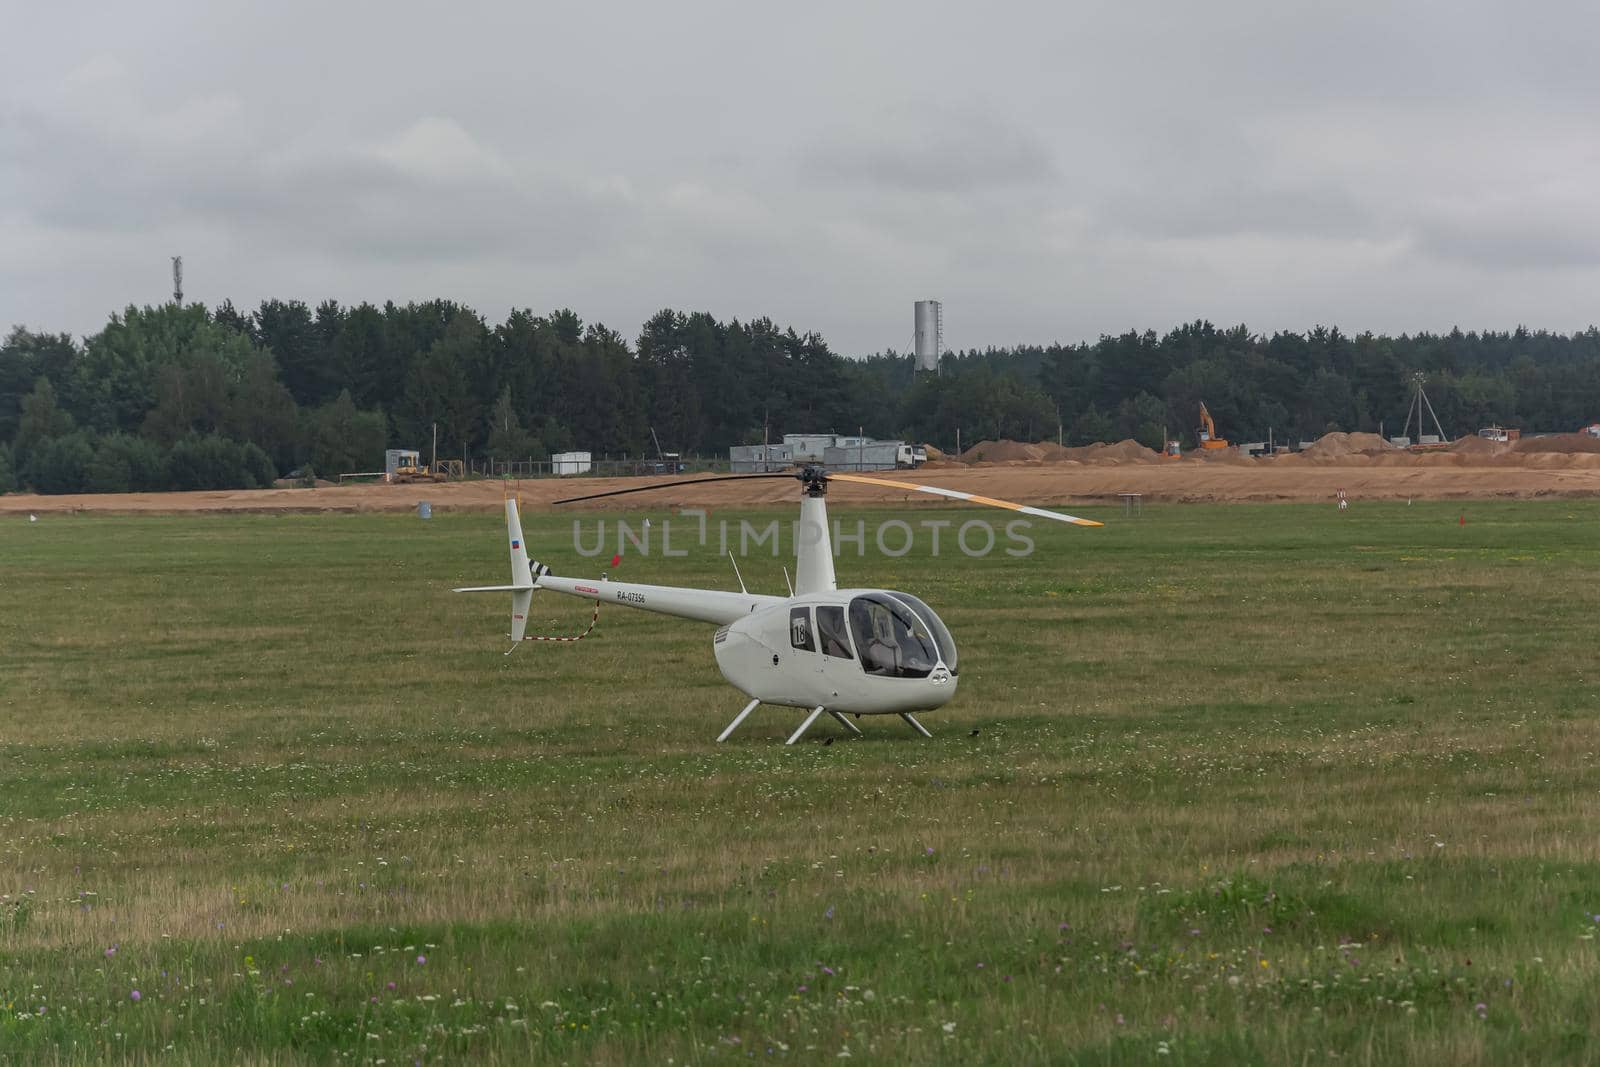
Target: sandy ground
point(1441, 476)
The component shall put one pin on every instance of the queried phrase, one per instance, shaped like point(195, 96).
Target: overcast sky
point(1049, 171)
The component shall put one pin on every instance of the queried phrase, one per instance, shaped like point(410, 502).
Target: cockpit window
point(941, 632)
point(891, 640)
point(832, 632)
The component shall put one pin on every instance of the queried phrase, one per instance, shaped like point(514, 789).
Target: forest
point(188, 397)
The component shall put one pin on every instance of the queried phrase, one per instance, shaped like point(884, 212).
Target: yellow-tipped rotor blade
point(956, 494)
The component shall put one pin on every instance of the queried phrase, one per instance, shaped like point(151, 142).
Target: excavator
point(1208, 430)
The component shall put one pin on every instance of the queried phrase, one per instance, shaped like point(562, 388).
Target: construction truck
point(402, 465)
point(1208, 430)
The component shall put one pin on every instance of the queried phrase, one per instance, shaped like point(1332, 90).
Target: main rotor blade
point(956, 494)
point(675, 482)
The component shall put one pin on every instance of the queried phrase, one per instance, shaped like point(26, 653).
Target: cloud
point(1051, 173)
point(438, 150)
point(931, 150)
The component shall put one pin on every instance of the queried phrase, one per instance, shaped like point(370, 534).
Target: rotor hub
point(814, 479)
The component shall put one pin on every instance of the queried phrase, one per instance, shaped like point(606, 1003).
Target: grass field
point(1250, 784)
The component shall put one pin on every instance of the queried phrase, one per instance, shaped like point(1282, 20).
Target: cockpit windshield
point(941, 633)
point(890, 638)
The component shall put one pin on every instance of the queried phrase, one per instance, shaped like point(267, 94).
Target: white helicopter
point(829, 650)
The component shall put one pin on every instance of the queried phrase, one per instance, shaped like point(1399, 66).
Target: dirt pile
point(1339, 445)
point(1570, 443)
point(1478, 446)
point(1002, 452)
point(1126, 451)
point(1008, 452)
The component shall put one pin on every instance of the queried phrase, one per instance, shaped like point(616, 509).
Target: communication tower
point(928, 340)
point(177, 280)
point(1422, 407)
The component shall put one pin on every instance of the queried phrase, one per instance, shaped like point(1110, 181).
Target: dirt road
point(1363, 477)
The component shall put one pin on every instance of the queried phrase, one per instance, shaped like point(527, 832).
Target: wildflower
point(135, 996)
point(421, 960)
point(949, 1028)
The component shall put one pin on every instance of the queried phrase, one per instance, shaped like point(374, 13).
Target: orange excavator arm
point(1208, 430)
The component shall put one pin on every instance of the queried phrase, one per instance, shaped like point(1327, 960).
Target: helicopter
point(823, 649)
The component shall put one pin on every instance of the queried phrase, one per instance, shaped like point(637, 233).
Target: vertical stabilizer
point(521, 570)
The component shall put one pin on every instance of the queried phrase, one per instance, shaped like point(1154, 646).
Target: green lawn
point(1249, 784)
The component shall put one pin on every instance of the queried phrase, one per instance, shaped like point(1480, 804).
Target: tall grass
point(1221, 785)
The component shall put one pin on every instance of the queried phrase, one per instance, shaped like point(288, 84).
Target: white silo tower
point(929, 337)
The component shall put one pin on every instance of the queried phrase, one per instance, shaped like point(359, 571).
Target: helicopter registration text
point(630, 598)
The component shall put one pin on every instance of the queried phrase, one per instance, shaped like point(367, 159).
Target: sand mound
point(1015, 452)
point(1130, 451)
point(1339, 445)
point(934, 454)
point(1557, 442)
point(1002, 452)
point(1478, 446)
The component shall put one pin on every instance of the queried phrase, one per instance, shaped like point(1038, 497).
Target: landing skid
point(737, 719)
point(846, 723)
point(915, 725)
point(816, 711)
point(811, 718)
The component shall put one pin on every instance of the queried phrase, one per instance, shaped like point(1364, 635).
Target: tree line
point(187, 397)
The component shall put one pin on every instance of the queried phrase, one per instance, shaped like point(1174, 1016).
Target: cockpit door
point(836, 659)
